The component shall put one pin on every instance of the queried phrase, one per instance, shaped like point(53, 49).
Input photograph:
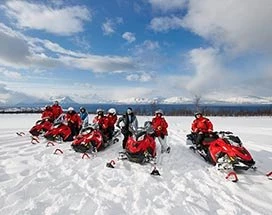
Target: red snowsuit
point(74, 122)
point(57, 111)
point(47, 114)
point(111, 120)
point(160, 126)
point(102, 121)
point(202, 124)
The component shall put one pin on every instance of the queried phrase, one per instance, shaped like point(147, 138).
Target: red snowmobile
point(224, 150)
point(92, 139)
point(142, 147)
point(40, 127)
point(59, 132)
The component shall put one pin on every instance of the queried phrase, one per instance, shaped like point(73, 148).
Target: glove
point(122, 124)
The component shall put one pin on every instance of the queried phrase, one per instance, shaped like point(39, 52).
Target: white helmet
point(70, 109)
point(100, 111)
point(112, 111)
point(159, 111)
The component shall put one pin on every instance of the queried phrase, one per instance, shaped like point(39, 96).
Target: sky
point(119, 49)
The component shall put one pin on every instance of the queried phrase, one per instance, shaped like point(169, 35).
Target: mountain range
point(23, 100)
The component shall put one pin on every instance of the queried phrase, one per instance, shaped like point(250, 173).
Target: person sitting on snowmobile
point(47, 114)
point(201, 128)
point(84, 116)
point(56, 109)
point(74, 121)
point(128, 124)
point(160, 126)
point(112, 118)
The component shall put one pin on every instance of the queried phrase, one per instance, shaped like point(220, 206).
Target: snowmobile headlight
point(140, 138)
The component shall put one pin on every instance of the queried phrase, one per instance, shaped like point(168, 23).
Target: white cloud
point(18, 51)
point(164, 24)
point(140, 76)
point(10, 74)
point(147, 45)
point(11, 97)
point(207, 73)
point(236, 25)
point(130, 37)
point(168, 5)
point(110, 25)
point(56, 20)
point(99, 64)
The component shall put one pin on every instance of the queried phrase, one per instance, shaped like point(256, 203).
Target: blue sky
point(119, 49)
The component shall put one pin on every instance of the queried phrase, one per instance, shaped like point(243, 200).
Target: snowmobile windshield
point(234, 140)
point(86, 130)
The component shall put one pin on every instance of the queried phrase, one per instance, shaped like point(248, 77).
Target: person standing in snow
point(128, 124)
point(160, 126)
point(84, 116)
point(56, 109)
point(112, 119)
point(201, 128)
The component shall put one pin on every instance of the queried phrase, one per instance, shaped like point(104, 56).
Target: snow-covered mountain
point(62, 100)
point(184, 100)
point(20, 99)
point(248, 100)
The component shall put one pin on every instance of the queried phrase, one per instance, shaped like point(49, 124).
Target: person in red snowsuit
point(112, 119)
point(47, 114)
point(160, 126)
point(201, 127)
point(56, 109)
point(74, 121)
point(102, 121)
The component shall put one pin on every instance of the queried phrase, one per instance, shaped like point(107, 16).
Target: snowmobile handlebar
point(224, 132)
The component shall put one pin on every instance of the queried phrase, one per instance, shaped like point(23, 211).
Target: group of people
point(106, 122)
point(128, 123)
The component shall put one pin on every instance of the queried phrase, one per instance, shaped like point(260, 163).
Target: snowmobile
point(141, 147)
point(60, 131)
point(40, 127)
point(223, 149)
point(92, 139)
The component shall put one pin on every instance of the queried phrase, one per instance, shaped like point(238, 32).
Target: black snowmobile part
point(110, 164)
point(201, 153)
point(155, 172)
point(81, 148)
point(20, 133)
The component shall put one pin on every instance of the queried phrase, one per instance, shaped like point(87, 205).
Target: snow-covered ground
point(34, 181)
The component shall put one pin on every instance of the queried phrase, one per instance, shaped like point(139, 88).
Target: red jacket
point(57, 111)
point(47, 114)
point(160, 125)
point(202, 124)
point(73, 119)
point(102, 121)
point(111, 120)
